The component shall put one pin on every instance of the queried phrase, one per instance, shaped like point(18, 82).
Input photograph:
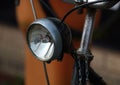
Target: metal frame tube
point(87, 31)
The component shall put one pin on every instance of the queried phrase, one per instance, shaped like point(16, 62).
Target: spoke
point(46, 74)
point(44, 65)
point(33, 9)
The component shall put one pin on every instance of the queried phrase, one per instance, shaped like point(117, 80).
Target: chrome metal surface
point(44, 39)
point(33, 9)
point(87, 31)
point(78, 1)
point(116, 7)
point(84, 57)
point(102, 5)
point(41, 43)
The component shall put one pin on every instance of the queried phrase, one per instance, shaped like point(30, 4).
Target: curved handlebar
point(102, 5)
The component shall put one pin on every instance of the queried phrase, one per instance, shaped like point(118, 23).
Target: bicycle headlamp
point(48, 39)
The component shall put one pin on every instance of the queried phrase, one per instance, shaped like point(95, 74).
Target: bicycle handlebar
point(102, 5)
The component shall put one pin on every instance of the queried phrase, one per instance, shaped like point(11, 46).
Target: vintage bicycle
point(48, 38)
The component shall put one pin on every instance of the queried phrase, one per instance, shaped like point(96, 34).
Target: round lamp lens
point(40, 42)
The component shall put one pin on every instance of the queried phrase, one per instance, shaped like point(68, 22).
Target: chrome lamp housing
point(48, 39)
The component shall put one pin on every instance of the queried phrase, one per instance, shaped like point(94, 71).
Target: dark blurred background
point(108, 32)
point(11, 46)
point(7, 12)
point(107, 35)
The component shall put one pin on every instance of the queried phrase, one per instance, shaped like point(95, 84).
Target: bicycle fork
point(83, 55)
